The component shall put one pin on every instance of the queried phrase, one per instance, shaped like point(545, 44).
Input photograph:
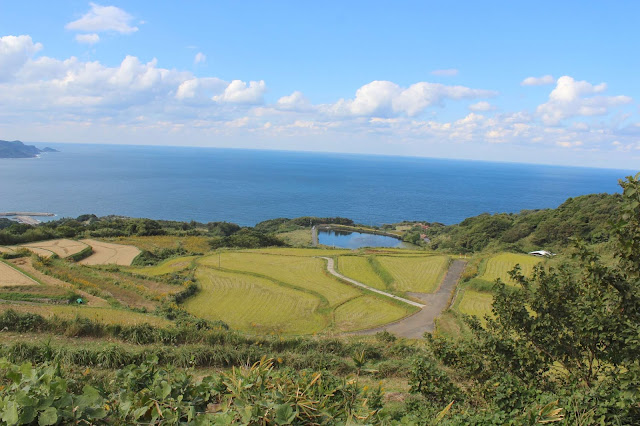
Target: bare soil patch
point(10, 277)
point(110, 254)
point(62, 247)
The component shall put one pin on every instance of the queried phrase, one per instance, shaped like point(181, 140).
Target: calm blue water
point(248, 186)
point(354, 240)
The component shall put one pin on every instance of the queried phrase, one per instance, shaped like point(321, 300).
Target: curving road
point(332, 271)
point(414, 326)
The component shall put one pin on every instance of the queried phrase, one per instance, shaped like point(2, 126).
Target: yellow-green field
point(359, 269)
point(307, 273)
point(499, 265)
point(366, 312)
point(419, 274)
point(286, 293)
point(104, 315)
point(169, 266)
point(473, 302)
point(254, 304)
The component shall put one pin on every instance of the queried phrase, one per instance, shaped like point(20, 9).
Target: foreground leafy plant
point(149, 394)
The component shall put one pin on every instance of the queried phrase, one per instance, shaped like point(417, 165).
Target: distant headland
point(16, 149)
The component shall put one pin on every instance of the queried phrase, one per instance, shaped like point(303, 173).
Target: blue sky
point(543, 82)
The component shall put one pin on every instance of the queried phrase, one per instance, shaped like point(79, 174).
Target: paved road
point(314, 236)
point(332, 271)
point(416, 325)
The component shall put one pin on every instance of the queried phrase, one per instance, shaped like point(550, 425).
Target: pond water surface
point(354, 240)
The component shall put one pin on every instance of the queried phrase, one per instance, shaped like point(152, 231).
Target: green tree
point(574, 329)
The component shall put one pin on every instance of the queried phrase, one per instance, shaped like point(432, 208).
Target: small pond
point(354, 240)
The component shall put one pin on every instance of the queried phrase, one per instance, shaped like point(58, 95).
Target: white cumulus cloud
point(239, 92)
point(538, 81)
point(199, 58)
point(481, 106)
point(103, 18)
point(385, 98)
point(88, 38)
point(294, 102)
point(572, 98)
point(569, 144)
point(15, 51)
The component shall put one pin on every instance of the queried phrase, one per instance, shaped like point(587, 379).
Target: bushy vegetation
point(586, 217)
point(91, 226)
point(246, 238)
point(285, 225)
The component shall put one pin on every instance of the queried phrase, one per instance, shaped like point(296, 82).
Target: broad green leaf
point(48, 417)
point(284, 414)
point(10, 415)
point(28, 415)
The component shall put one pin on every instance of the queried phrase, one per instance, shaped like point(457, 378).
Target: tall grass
point(384, 275)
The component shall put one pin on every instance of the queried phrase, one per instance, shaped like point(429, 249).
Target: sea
point(249, 186)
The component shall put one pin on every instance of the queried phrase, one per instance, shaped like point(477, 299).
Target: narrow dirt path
point(414, 326)
point(332, 271)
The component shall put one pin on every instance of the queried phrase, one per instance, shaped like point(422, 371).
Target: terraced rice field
point(359, 269)
point(108, 253)
point(104, 315)
point(62, 247)
point(285, 293)
point(418, 274)
point(366, 312)
point(499, 265)
point(306, 273)
point(169, 266)
point(476, 303)
point(37, 250)
point(10, 277)
point(254, 304)
point(4, 249)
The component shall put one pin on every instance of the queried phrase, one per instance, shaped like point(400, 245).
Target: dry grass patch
point(300, 237)
point(194, 244)
point(4, 249)
point(11, 277)
point(169, 266)
point(417, 274)
point(62, 247)
point(366, 312)
point(254, 304)
point(103, 315)
point(49, 282)
point(108, 253)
